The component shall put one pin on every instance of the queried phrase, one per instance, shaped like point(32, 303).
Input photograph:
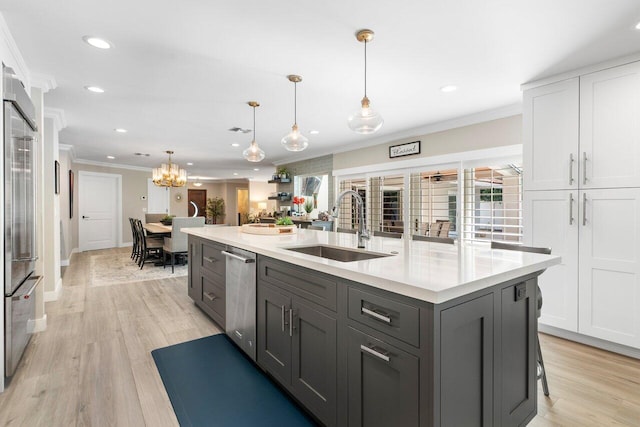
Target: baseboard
point(37, 325)
point(74, 251)
point(64, 263)
point(125, 244)
point(54, 295)
point(593, 342)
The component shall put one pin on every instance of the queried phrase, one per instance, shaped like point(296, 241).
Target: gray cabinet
point(297, 344)
point(383, 383)
point(207, 282)
point(466, 363)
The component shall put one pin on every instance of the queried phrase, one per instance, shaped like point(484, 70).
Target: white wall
point(51, 227)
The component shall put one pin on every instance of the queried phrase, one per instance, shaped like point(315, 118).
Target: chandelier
point(169, 174)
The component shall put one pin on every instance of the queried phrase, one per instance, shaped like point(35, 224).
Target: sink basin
point(337, 254)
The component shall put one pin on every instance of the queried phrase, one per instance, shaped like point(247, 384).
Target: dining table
point(157, 228)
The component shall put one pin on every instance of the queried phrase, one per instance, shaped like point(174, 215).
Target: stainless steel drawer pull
point(209, 259)
point(290, 322)
point(571, 168)
point(375, 352)
point(570, 209)
point(375, 315)
point(238, 334)
point(584, 208)
point(584, 167)
point(238, 257)
point(282, 312)
point(210, 296)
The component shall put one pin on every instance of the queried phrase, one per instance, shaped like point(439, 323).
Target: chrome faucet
point(362, 232)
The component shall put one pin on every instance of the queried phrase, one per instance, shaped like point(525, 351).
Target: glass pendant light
point(294, 140)
point(253, 153)
point(365, 120)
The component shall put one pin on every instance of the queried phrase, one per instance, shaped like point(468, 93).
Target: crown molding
point(111, 165)
point(70, 150)
point(58, 117)
point(458, 122)
point(11, 55)
point(43, 81)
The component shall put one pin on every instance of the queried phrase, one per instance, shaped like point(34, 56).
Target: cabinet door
point(274, 342)
point(314, 360)
point(550, 136)
point(195, 284)
point(610, 128)
point(550, 219)
point(610, 265)
point(383, 383)
point(466, 364)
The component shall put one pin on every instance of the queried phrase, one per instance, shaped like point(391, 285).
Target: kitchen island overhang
point(427, 271)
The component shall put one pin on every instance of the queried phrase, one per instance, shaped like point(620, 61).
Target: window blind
point(492, 203)
point(434, 201)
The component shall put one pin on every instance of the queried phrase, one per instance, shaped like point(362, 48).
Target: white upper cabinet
point(610, 128)
point(551, 126)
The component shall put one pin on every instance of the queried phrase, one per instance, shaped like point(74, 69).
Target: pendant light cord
point(365, 68)
point(254, 125)
point(295, 103)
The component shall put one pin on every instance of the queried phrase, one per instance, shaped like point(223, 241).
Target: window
point(386, 207)
point(434, 202)
point(492, 203)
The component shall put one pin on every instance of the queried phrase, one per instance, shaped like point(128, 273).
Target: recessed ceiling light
point(197, 184)
point(110, 157)
point(256, 169)
point(97, 42)
point(120, 130)
point(448, 88)
point(638, 26)
point(314, 132)
point(235, 174)
point(94, 89)
point(235, 144)
point(189, 163)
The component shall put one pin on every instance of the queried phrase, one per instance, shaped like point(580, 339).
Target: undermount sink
point(337, 254)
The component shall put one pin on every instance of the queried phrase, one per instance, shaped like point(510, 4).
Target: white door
point(550, 136)
point(98, 207)
point(609, 295)
point(550, 219)
point(157, 198)
point(610, 128)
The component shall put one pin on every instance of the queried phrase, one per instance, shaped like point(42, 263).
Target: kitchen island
point(427, 335)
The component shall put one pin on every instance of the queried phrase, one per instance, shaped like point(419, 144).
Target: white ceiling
point(181, 72)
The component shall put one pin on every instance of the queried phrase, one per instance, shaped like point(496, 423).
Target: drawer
point(212, 258)
point(394, 318)
point(213, 297)
point(309, 284)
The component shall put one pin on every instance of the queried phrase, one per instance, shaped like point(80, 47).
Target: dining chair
point(542, 373)
point(391, 234)
point(149, 249)
point(134, 240)
point(178, 243)
point(315, 227)
point(447, 240)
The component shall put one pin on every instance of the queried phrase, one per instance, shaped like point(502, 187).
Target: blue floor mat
point(211, 383)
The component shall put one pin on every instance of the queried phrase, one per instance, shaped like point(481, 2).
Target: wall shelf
point(280, 198)
point(279, 181)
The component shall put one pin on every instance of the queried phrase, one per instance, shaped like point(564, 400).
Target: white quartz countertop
point(432, 272)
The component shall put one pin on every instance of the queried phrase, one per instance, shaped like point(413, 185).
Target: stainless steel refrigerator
point(19, 218)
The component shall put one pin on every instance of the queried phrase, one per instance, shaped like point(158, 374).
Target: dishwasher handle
point(238, 257)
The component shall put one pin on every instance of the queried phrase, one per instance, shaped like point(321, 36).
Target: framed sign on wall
point(401, 150)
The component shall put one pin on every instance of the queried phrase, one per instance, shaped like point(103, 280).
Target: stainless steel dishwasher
point(241, 299)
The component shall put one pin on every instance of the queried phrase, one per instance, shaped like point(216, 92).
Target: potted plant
point(283, 172)
point(215, 208)
point(167, 219)
point(308, 207)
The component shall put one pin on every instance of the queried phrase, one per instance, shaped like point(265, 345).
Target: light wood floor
point(93, 367)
